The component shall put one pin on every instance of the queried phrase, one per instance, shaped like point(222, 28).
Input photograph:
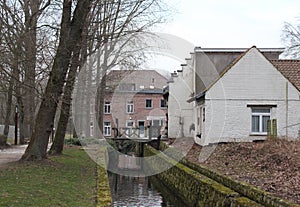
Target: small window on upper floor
point(148, 103)
point(129, 107)
point(107, 107)
point(163, 103)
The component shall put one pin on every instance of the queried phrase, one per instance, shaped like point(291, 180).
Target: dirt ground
point(273, 165)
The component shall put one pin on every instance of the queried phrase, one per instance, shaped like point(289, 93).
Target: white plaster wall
point(180, 112)
point(253, 80)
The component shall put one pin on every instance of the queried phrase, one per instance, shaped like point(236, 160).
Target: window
point(129, 123)
point(260, 117)
point(129, 107)
point(163, 103)
point(107, 129)
point(157, 122)
point(107, 107)
point(152, 84)
point(148, 103)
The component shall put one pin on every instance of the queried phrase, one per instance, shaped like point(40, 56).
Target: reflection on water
point(140, 191)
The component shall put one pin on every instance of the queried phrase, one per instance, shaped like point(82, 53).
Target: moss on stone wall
point(192, 187)
point(244, 189)
point(104, 197)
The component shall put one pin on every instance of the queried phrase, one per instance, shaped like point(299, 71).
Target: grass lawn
point(67, 180)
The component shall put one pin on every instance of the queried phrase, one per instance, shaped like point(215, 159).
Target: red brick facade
point(136, 108)
point(119, 115)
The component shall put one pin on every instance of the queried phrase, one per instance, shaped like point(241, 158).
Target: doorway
point(141, 128)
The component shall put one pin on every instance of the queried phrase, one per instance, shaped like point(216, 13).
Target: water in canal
point(141, 192)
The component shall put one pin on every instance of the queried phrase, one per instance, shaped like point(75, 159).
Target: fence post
point(274, 128)
point(269, 129)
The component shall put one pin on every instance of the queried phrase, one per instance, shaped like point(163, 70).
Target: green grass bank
point(72, 179)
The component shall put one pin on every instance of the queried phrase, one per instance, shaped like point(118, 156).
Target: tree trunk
point(98, 78)
point(80, 123)
point(88, 98)
point(101, 89)
point(21, 120)
point(7, 113)
point(9, 103)
point(69, 36)
point(30, 65)
point(58, 144)
point(100, 105)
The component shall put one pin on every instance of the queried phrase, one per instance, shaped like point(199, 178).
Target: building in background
point(133, 100)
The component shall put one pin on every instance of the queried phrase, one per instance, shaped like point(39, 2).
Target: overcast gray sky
point(227, 24)
point(232, 23)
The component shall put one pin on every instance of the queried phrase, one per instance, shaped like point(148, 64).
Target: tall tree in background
point(113, 26)
point(72, 23)
point(20, 43)
point(32, 12)
point(123, 25)
point(291, 37)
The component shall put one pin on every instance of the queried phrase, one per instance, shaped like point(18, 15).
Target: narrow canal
point(141, 191)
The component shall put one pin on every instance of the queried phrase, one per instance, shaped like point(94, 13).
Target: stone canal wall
point(245, 189)
point(192, 187)
point(103, 197)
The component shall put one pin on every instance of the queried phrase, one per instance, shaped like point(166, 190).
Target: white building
point(237, 92)
point(250, 91)
point(180, 112)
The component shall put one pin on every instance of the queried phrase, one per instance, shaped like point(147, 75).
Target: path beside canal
point(11, 154)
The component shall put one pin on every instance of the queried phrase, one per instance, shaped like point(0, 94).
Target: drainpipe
point(181, 126)
point(286, 109)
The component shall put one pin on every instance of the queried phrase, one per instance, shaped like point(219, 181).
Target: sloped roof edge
point(201, 94)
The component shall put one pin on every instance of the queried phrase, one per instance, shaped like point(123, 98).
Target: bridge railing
point(151, 132)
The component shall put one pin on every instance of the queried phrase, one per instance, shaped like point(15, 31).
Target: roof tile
point(289, 69)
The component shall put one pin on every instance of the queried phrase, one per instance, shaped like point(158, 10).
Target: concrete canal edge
point(202, 187)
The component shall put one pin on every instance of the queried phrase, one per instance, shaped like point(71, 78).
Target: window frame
point(260, 116)
point(129, 103)
point(130, 121)
point(165, 103)
point(107, 107)
point(150, 102)
point(108, 127)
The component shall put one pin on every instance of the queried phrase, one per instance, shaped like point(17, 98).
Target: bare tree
point(18, 36)
point(122, 25)
point(72, 24)
point(291, 37)
point(113, 27)
point(32, 12)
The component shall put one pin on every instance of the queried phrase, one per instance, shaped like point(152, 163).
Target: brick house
point(133, 100)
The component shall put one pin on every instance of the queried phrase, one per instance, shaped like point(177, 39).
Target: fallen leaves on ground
point(273, 165)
